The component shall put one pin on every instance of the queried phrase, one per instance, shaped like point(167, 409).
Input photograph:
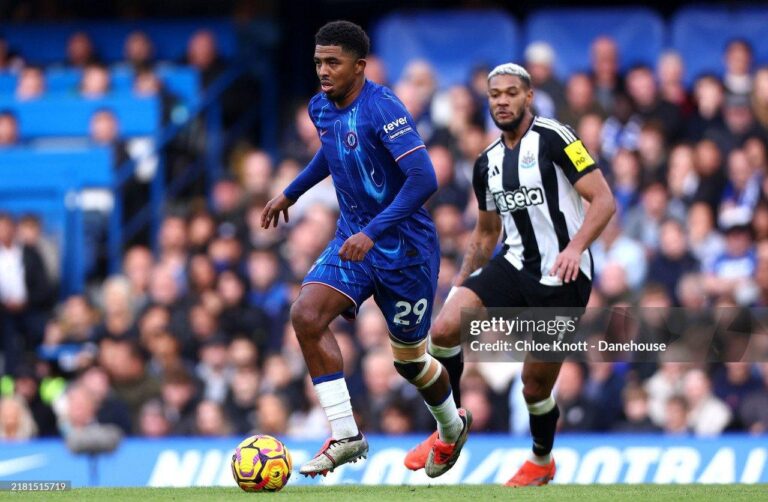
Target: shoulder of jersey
point(554, 127)
point(490, 147)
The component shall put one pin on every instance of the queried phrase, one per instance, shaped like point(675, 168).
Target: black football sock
point(543, 419)
point(453, 361)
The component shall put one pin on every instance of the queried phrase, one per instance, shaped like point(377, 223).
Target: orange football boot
point(531, 474)
point(416, 458)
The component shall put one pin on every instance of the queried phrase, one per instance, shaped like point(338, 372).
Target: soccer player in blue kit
point(385, 245)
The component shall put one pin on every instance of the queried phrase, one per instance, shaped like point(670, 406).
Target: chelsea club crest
point(350, 140)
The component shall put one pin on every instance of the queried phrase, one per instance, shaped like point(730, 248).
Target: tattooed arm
point(481, 244)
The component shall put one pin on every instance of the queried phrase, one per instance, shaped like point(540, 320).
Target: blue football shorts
point(404, 295)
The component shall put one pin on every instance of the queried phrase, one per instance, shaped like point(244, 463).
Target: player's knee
point(535, 390)
point(444, 332)
point(414, 364)
point(306, 320)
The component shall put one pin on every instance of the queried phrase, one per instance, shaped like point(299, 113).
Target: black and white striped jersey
point(531, 187)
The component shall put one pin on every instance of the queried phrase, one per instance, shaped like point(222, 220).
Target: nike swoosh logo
point(21, 464)
point(322, 133)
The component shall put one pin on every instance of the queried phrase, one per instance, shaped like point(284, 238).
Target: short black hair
point(349, 36)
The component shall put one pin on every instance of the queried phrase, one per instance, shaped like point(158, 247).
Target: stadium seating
point(700, 35)
point(638, 32)
point(169, 38)
point(46, 183)
point(57, 116)
point(453, 41)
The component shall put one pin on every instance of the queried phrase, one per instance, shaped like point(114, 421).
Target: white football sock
point(449, 423)
point(334, 398)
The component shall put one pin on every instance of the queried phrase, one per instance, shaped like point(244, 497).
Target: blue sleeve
point(315, 172)
point(394, 125)
point(420, 184)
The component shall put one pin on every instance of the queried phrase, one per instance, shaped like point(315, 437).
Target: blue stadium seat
point(90, 167)
point(45, 182)
point(69, 116)
point(453, 41)
point(638, 32)
point(701, 34)
point(170, 37)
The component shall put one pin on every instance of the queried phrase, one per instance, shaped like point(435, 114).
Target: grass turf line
point(357, 493)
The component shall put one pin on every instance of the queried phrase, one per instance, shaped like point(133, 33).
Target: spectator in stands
point(589, 129)
point(603, 385)
point(119, 311)
point(604, 60)
point(742, 191)
point(201, 228)
point(649, 105)
point(760, 97)
point(138, 50)
point(9, 129)
point(676, 416)
point(635, 406)
point(26, 294)
point(9, 60)
point(670, 71)
point(738, 67)
point(237, 317)
point(550, 93)
point(210, 420)
point(213, 369)
point(708, 160)
point(137, 267)
point(16, 421)
point(179, 398)
point(202, 54)
point(30, 233)
point(147, 84)
point(577, 413)
point(707, 415)
point(621, 130)
point(643, 222)
point(680, 177)
point(448, 190)
point(709, 96)
point(664, 384)
point(110, 409)
point(739, 123)
point(375, 71)
point(614, 247)
point(626, 180)
point(96, 81)
point(380, 383)
point(76, 409)
point(272, 414)
point(152, 422)
point(733, 382)
point(579, 100)
point(31, 84)
point(736, 265)
point(673, 259)
point(27, 387)
point(241, 398)
point(126, 367)
point(652, 152)
point(80, 51)
point(255, 173)
point(753, 412)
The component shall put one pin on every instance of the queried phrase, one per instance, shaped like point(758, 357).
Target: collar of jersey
point(504, 143)
point(366, 84)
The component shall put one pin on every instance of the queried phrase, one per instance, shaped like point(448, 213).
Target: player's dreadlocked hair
point(347, 35)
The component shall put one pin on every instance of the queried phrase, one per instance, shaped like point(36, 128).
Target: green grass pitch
point(559, 493)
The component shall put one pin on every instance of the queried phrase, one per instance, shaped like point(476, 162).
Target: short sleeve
point(394, 125)
point(483, 195)
point(569, 153)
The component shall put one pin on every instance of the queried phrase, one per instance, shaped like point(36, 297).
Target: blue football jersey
point(362, 144)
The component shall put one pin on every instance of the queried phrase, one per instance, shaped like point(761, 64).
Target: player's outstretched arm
point(602, 205)
point(481, 244)
point(315, 172)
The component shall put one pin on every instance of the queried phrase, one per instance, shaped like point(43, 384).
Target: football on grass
point(261, 463)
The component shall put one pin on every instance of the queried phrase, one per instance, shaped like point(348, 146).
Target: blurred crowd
point(194, 339)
